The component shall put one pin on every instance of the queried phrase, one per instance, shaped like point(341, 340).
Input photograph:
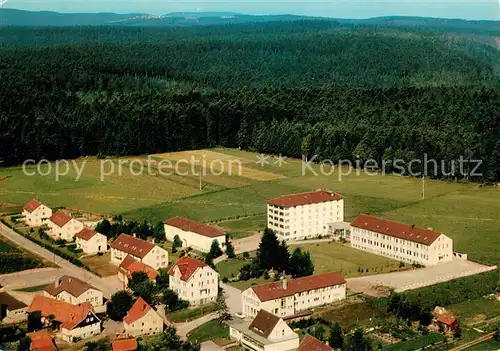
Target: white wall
point(83, 333)
point(202, 286)
point(98, 243)
point(151, 323)
point(38, 217)
point(196, 241)
point(67, 232)
point(93, 296)
point(157, 258)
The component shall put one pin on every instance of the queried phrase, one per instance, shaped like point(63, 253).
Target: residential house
point(91, 242)
point(124, 345)
point(447, 322)
point(193, 280)
point(130, 266)
point(142, 319)
point(265, 332)
point(11, 309)
point(141, 250)
point(42, 340)
point(310, 343)
point(194, 234)
point(288, 297)
point(304, 215)
point(75, 321)
point(399, 241)
point(35, 213)
point(63, 226)
point(74, 291)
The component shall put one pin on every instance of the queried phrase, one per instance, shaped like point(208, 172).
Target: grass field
point(464, 211)
point(190, 314)
point(14, 259)
point(212, 330)
point(32, 288)
point(101, 265)
point(475, 312)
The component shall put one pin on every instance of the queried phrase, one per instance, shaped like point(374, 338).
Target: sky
point(466, 9)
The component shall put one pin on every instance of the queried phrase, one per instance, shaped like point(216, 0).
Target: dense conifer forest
point(340, 91)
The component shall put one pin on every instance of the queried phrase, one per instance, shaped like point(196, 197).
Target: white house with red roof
point(194, 234)
point(90, 241)
point(142, 319)
point(75, 321)
point(130, 266)
point(141, 250)
point(400, 241)
point(35, 213)
point(310, 343)
point(304, 215)
point(63, 226)
point(288, 297)
point(194, 281)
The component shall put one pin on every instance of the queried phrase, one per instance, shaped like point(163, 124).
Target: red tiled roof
point(311, 197)
point(130, 265)
point(195, 227)
point(60, 218)
point(446, 319)
point(138, 310)
point(272, 291)
point(67, 314)
point(124, 345)
point(86, 234)
point(396, 229)
point(187, 266)
point(32, 205)
point(310, 343)
point(42, 341)
point(133, 246)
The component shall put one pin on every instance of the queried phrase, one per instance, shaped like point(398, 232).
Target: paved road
point(107, 285)
point(233, 298)
point(184, 328)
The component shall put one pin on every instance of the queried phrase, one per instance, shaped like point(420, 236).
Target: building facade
point(74, 291)
point(130, 266)
point(11, 309)
point(266, 332)
point(63, 226)
point(35, 213)
point(194, 234)
point(305, 215)
point(90, 241)
point(400, 241)
point(287, 298)
point(194, 281)
point(142, 319)
point(141, 250)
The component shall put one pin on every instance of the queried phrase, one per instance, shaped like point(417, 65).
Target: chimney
point(134, 235)
point(284, 283)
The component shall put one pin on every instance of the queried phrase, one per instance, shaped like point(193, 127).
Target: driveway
point(233, 298)
point(107, 285)
point(250, 243)
point(183, 329)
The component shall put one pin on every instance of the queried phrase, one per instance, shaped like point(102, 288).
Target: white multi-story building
point(63, 226)
point(142, 319)
point(305, 215)
point(400, 241)
point(90, 241)
point(194, 281)
point(141, 250)
point(286, 298)
point(194, 234)
point(35, 213)
point(74, 291)
point(266, 332)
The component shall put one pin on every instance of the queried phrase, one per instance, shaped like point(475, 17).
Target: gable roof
point(396, 229)
point(137, 311)
point(195, 227)
point(86, 234)
point(60, 218)
point(67, 314)
point(187, 266)
point(446, 319)
point(11, 302)
point(264, 323)
point(42, 341)
point(310, 343)
point(124, 345)
point(276, 290)
point(32, 205)
point(131, 245)
point(72, 285)
point(130, 265)
point(307, 198)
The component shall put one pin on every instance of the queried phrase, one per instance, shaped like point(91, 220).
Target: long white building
point(288, 297)
point(196, 235)
point(305, 215)
point(400, 241)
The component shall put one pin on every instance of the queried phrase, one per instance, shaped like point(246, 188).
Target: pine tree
point(215, 250)
point(230, 250)
point(176, 243)
point(268, 252)
point(221, 307)
point(336, 339)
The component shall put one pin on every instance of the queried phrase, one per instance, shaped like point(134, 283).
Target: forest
point(297, 88)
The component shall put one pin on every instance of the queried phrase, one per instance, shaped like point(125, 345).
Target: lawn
point(230, 268)
point(415, 344)
point(473, 312)
point(101, 265)
point(348, 315)
point(32, 288)
point(211, 330)
point(190, 314)
point(14, 259)
point(464, 211)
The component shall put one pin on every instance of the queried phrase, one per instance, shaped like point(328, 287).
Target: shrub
point(225, 280)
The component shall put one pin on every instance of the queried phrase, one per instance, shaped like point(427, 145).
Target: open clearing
point(466, 212)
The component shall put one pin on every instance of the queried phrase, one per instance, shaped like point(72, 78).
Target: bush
point(225, 280)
